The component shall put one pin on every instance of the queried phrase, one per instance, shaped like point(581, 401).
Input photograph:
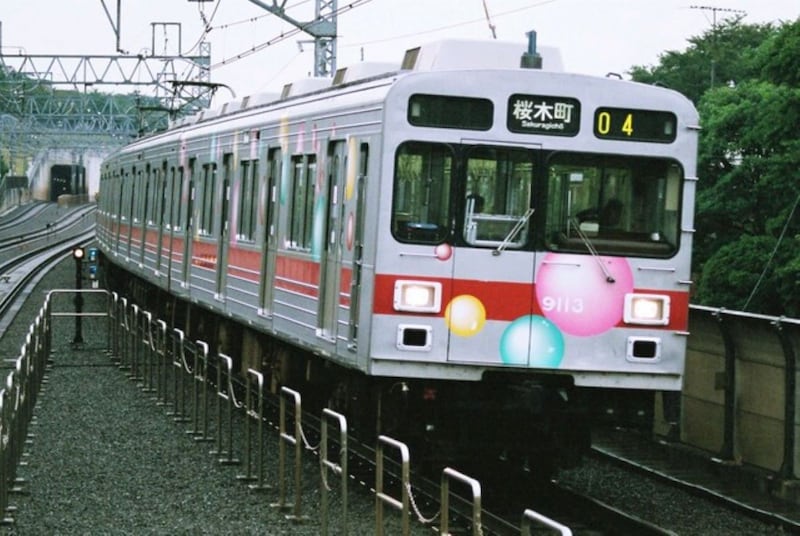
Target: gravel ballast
point(105, 459)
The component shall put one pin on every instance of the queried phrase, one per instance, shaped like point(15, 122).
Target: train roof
point(445, 55)
point(359, 80)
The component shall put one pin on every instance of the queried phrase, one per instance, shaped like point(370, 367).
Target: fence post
point(147, 352)
point(295, 440)
point(225, 393)
point(254, 376)
point(381, 497)
point(5, 459)
point(727, 450)
point(200, 393)
point(339, 468)
point(124, 328)
point(136, 342)
point(790, 395)
point(179, 366)
point(529, 517)
point(447, 475)
point(161, 363)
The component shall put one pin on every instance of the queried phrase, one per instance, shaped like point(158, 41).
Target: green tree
point(728, 51)
point(746, 252)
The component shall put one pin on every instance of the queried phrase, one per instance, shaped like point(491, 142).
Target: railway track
point(26, 255)
point(697, 474)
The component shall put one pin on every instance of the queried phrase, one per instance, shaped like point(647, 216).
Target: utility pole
point(714, 11)
point(322, 29)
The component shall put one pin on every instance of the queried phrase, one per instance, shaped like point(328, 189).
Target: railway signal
point(78, 254)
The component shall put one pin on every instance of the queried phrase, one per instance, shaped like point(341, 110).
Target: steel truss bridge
point(86, 101)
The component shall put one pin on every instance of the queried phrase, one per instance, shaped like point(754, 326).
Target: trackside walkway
point(104, 458)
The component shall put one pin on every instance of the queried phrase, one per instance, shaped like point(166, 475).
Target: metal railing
point(164, 363)
point(20, 391)
point(183, 366)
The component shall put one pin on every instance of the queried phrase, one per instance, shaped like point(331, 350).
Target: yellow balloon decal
point(283, 133)
point(352, 169)
point(465, 315)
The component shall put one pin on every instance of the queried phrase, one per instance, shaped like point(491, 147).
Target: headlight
point(417, 296)
point(647, 309)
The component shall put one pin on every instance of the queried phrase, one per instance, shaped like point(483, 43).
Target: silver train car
point(458, 248)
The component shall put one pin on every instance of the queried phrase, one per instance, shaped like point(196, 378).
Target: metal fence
point(740, 398)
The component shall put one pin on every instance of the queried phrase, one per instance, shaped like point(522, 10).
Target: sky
point(592, 36)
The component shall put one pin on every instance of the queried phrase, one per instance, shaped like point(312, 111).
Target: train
point(457, 250)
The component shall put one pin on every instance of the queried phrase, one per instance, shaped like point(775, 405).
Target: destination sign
point(543, 114)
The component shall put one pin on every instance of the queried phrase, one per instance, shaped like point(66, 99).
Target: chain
point(305, 441)
point(420, 517)
point(232, 393)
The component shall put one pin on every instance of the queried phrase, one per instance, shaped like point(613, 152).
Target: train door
point(331, 254)
point(266, 218)
point(144, 212)
point(493, 265)
point(189, 224)
point(161, 207)
point(224, 227)
point(121, 189)
point(171, 219)
point(356, 178)
point(135, 188)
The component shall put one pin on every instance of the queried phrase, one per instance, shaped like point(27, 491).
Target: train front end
point(534, 243)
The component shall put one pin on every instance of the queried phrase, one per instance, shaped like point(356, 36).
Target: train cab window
point(613, 205)
point(498, 197)
point(421, 200)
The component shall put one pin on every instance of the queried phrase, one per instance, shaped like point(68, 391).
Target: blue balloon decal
point(532, 340)
point(318, 226)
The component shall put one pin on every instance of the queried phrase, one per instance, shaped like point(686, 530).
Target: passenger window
point(301, 214)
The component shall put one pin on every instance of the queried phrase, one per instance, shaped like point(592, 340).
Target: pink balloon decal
point(573, 292)
point(443, 251)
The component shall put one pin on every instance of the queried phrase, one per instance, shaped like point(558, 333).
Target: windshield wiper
point(513, 232)
point(592, 251)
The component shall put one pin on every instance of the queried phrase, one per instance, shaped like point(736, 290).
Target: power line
point(772, 255)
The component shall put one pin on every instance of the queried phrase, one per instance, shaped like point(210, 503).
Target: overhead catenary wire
point(283, 36)
point(451, 26)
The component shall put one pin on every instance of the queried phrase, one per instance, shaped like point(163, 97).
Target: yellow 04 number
point(627, 125)
point(603, 123)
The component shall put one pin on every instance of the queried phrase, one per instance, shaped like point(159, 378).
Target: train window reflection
point(498, 195)
point(615, 205)
point(421, 201)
